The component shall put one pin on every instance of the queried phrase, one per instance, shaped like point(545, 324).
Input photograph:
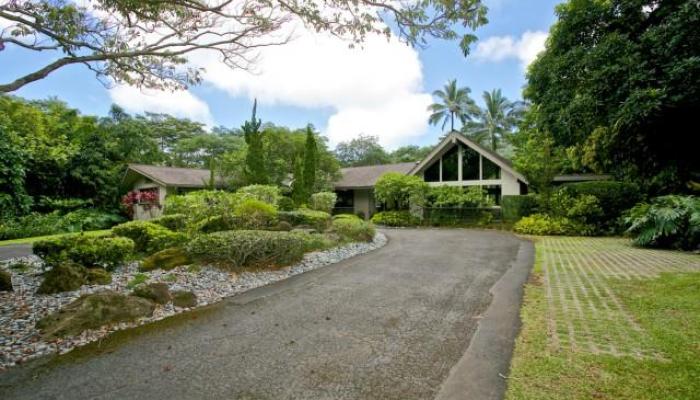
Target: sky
point(381, 89)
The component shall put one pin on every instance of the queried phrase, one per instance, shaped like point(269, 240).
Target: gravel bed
point(20, 341)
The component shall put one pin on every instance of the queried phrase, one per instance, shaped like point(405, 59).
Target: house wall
point(363, 201)
point(142, 212)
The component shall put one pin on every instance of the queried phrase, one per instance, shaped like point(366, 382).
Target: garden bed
point(21, 341)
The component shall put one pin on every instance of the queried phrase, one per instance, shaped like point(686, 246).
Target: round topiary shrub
point(255, 214)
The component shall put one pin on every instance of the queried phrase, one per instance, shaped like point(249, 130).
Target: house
point(455, 161)
point(162, 181)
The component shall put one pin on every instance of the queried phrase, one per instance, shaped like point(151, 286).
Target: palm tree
point(496, 120)
point(453, 102)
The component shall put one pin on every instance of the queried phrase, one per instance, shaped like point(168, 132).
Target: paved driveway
point(15, 250)
point(390, 324)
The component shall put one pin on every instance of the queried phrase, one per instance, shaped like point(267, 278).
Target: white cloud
point(375, 90)
point(180, 103)
point(498, 48)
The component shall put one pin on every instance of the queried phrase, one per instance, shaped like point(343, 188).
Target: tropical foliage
point(668, 221)
point(495, 122)
point(453, 102)
point(398, 191)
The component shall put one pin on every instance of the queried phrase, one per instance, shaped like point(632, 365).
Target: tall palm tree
point(496, 120)
point(453, 102)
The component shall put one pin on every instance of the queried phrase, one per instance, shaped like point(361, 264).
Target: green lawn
point(35, 238)
point(604, 320)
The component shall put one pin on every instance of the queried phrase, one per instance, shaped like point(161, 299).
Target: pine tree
point(310, 162)
point(254, 169)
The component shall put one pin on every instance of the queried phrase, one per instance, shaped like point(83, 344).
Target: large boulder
point(184, 299)
point(5, 281)
point(165, 259)
point(157, 292)
point(63, 278)
point(94, 311)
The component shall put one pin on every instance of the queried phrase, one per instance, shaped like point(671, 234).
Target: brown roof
point(366, 177)
point(581, 178)
point(172, 176)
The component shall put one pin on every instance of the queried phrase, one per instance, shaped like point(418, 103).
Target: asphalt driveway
point(391, 324)
point(15, 250)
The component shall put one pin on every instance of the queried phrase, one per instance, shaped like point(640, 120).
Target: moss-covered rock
point(98, 276)
point(63, 278)
point(92, 312)
point(166, 259)
point(157, 292)
point(184, 299)
point(5, 281)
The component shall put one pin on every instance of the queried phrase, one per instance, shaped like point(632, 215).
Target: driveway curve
point(390, 324)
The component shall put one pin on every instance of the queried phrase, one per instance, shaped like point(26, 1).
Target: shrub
point(255, 214)
point(103, 252)
point(138, 279)
point(52, 223)
point(165, 259)
point(314, 241)
point(285, 204)
point(453, 196)
point(584, 210)
point(395, 218)
point(266, 193)
point(354, 230)
point(63, 277)
point(149, 237)
point(247, 248)
point(201, 204)
point(217, 223)
point(515, 207)
point(542, 224)
point(319, 220)
point(399, 191)
point(669, 221)
point(346, 216)
point(174, 222)
point(613, 198)
point(323, 201)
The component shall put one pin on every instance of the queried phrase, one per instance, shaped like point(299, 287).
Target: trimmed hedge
point(149, 237)
point(543, 224)
point(514, 207)
point(255, 214)
point(103, 252)
point(395, 218)
point(237, 249)
point(318, 220)
point(36, 224)
point(353, 229)
point(613, 198)
point(174, 222)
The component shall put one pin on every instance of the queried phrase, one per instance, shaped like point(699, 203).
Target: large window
point(470, 164)
point(493, 192)
point(489, 169)
point(432, 173)
point(450, 165)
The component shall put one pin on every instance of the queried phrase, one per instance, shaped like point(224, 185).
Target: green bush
point(613, 198)
point(542, 224)
point(318, 220)
point(202, 204)
point(398, 191)
point(323, 201)
point(454, 196)
point(64, 277)
point(255, 214)
point(174, 222)
point(165, 259)
point(266, 193)
point(395, 218)
point(246, 248)
point(52, 223)
point(347, 216)
point(584, 210)
point(285, 204)
point(103, 252)
point(315, 241)
point(217, 223)
point(514, 207)
point(354, 230)
point(149, 237)
point(669, 221)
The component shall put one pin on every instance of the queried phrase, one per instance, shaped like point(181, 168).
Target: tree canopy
point(617, 87)
point(147, 43)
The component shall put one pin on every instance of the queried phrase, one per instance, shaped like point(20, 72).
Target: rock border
point(20, 340)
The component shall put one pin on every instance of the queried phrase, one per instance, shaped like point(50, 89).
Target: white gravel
point(20, 341)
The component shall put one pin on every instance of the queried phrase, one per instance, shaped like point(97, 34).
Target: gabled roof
point(454, 137)
point(365, 177)
point(170, 176)
point(581, 178)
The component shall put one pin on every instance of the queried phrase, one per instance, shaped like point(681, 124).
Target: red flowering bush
point(145, 198)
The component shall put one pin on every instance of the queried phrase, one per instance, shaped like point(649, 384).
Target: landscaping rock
point(184, 299)
point(157, 292)
point(165, 259)
point(98, 276)
point(92, 312)
point(63, 278)
point(5, 281)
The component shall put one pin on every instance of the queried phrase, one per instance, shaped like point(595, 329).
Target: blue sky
point(381, 90)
